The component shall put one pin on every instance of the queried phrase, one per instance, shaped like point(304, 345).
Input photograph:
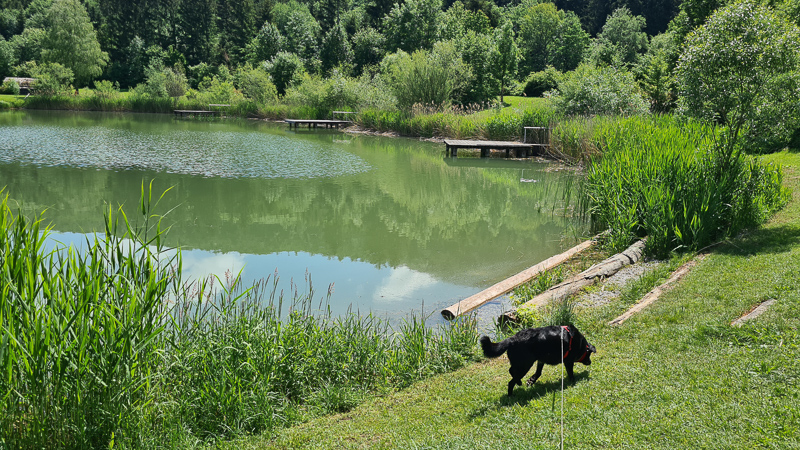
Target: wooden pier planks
point(505, 286)
point(317, 123)
point(452, 146)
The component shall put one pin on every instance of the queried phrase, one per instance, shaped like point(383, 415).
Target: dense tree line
point(625, 56)
point(325, 34)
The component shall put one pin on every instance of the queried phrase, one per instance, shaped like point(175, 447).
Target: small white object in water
point(527, 180)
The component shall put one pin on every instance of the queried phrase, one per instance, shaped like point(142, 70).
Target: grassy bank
point(110, 347)
point(676, 376)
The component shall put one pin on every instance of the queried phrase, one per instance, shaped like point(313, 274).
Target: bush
point(591, 90)
point(338, 92)
point(9, 87)
point(426, 77)
point(255, 84)
point(286, 69)
point(537, 83)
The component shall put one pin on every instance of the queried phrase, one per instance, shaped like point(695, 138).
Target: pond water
point(390, 222)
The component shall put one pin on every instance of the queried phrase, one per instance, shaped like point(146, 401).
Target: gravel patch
point(612, 287)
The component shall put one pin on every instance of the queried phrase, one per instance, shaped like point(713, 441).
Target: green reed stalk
point(107, 346)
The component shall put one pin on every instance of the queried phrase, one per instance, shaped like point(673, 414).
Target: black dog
point(543, 345)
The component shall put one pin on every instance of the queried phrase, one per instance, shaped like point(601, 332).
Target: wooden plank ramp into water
point(505, 286)
point(317, 123)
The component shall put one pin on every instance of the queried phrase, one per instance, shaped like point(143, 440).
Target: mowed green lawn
point(676, 376)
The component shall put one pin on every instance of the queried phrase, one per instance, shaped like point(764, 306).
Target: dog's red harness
point(569, 347)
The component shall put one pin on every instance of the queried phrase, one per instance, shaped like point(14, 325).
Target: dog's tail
point(492, 350)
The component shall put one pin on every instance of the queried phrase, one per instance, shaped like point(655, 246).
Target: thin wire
point(562, 388)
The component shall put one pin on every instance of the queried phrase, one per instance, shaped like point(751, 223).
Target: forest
point(592, 57)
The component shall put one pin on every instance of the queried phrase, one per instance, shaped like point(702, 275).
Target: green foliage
point(9, 87)
point(108, 347)
point(51, 79)
point(663, 179)
point(368, 49)
point(413, 25)
point(70, 40)
point(740, 69)
point(294, 20)
point(480, 53)
point(266, 44)
point(255, 84)
point(338, 92)
point(6, 58)
point(27, 46)
point(336, 50)
point(593, 90)
point(162, 82)
point(505, 56)
point(426, 77)
point(286, 69)
point(622, 40)
point(655, 73)
point(537, 83)
point(549, 37)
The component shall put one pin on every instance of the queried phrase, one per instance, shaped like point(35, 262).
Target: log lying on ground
point(759, 309)
point(603, 269)
point(505, 286)
point(656, 292)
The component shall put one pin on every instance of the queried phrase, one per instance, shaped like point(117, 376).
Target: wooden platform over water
point(317, 123)
point(187, 112)
point(519, 148)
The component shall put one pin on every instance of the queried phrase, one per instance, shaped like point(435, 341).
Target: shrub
point(537, 83)
point(286, 69)
point(426, 77)
point(255, 84)
point(591, 90)
point(9, 87)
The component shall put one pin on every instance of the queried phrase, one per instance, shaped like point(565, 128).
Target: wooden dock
point(317, 123)
point(521, 149)
point(187, 112)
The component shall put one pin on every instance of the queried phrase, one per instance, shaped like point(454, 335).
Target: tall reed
point(108, 346)
point(664, 178)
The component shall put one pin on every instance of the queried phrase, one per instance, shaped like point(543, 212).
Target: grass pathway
point(675, 376)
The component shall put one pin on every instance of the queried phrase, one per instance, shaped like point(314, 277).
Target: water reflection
point(389, 221)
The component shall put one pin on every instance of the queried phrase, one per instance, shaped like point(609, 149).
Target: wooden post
point(505, 286)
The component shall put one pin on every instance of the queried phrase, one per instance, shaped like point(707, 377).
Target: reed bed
point(665, 178)
point(109, 347)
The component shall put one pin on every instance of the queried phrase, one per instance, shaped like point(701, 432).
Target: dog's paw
point(531, 381)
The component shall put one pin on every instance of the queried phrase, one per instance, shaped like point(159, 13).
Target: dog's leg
point(518, 372)
point(568, 365)
point(536, 375)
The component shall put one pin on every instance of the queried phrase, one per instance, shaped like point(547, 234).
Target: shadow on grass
point(774, 240)
point(523, 395)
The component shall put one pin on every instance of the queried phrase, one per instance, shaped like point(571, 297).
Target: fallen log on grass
point(603, 269)
point(656, 292)
point(505, 286)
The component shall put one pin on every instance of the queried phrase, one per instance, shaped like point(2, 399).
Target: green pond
point(389, 222)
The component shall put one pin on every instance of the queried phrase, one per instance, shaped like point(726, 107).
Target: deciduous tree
point(70, 40)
